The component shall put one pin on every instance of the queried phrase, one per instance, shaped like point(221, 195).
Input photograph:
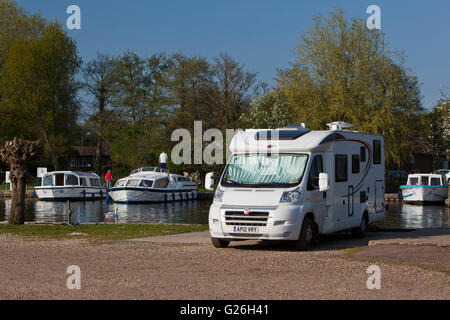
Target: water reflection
point(401, 216)
point(409, 216)
point(191, 212)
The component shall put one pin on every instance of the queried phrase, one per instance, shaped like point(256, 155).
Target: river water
point(399, 216)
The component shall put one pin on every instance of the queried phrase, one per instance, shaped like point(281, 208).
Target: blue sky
point(260, 34)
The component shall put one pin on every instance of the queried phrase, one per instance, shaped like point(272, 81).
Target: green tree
point(191, 91)
point(231, 94)
point(142, 98)
point(38, 86)
point(346, 72)
point(100, 81)
point(437, 128)
point(15, 23)
point(269, 110)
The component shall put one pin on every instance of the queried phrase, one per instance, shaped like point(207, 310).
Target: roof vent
point(339, 125)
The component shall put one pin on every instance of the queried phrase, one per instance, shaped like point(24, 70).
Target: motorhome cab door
point(315, 197)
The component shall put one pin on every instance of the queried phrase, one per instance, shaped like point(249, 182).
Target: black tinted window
point(316, 169)
point(355, 163)
point(362, 154)
point(376, 152)
point(341, 167)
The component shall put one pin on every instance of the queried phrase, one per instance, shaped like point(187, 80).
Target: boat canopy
point(71, 178)
point(426, 180)
point(154, 181)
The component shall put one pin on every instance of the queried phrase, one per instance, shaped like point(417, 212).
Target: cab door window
point(316, 169)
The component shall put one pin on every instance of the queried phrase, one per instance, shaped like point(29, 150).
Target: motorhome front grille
point(252, 219)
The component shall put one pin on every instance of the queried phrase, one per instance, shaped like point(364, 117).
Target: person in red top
point(108, 178)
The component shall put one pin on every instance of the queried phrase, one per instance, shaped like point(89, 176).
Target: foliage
point(346, 72)
point(38, 87)
point(268, 111)
point(437, 128)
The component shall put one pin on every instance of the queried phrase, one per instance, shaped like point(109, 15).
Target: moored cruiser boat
point(423, 188)
point(150, 185)
point(70, 185)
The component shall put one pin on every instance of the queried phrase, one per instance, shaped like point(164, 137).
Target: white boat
point(445, 172)
point(423, 188)
point(70, 185)
point(152, 185)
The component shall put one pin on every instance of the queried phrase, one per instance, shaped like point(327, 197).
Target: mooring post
point(69, 213)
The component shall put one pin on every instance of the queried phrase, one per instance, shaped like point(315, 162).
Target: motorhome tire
point(360, 232)
point(219, 243)
point(307, 236)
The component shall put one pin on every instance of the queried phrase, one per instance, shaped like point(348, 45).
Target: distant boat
point(152, 185)
point(70, 185)
point(425, 188)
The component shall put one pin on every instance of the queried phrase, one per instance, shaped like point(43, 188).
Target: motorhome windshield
point(263, 170)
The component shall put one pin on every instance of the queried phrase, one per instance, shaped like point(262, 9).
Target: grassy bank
point(97, 232)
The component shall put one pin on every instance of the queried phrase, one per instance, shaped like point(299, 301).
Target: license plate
point(246, 229)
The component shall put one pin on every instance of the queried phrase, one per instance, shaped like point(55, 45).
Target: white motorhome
point(294, 184)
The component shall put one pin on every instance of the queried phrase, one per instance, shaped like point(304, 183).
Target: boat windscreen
point(132, 183)
point(47, 181)
point(146, 183)
point(120, 183)
point(94, 182)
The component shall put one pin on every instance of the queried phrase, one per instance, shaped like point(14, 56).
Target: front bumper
point(272, 223)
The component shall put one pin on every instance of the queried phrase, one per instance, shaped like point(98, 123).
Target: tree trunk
point(18, 184)
point(17, 153)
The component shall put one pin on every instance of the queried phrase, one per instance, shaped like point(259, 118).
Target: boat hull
point(70, 193)
point(142, 195)
point(424, 194)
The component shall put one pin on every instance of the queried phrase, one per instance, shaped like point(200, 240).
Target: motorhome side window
point(316, 169)
point(376, 152)
point(362, 154)
point(341, 167)
point(355, 163)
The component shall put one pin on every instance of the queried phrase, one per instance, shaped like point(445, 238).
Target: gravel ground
point(36, 269)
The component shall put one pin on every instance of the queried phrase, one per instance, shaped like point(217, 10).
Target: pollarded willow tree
point(17, 154)
point(346, 72)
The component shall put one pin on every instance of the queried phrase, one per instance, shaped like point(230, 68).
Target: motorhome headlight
point(290, 196)
point(218, 196)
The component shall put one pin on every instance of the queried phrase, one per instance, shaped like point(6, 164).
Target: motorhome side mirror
point(210, 181)
point(324, 183)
